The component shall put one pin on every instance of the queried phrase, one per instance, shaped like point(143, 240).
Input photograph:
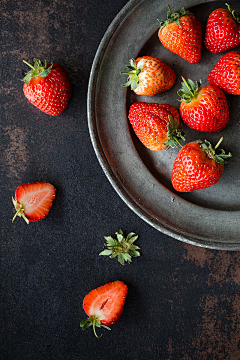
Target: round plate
point(142, 178)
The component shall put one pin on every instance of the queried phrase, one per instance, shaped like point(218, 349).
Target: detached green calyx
point(121, 247)
point(189, 90)
point(133, 74)
point(38, 69)
point(173, 17)
point(94, 322)
point(173, 134)
point(214, 153)
point(233, 12)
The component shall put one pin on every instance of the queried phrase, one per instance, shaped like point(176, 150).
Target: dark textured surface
point(183, 301)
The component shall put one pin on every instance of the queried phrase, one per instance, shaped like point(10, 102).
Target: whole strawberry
point(33, 201)
point(226, 73)
point(181, 33)
point(149, 76)
point(47, 87)
point(203, 108)
point(198, 166)
point(104, 305)
point(222, 30)
point(157, 126)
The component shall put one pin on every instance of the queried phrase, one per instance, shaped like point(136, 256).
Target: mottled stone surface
point(183, 301)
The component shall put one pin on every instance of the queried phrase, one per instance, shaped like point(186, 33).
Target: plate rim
point(109, 172)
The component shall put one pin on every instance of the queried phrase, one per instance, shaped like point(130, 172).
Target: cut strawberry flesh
point(106, 302)
point(36, 199)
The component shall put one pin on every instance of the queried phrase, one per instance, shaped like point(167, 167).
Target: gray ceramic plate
point(142, 178)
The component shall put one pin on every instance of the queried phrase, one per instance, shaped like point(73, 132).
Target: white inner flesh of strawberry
point(102, 307)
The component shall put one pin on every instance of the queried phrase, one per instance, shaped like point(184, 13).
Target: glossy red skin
point(222, 31)
point(155, 77)
point(42, 212)
point(193, 169)
point(49, 94)
point(209, 112)
point(226, 73)
point(111, 295)
point(149, 122)
point(185, 40)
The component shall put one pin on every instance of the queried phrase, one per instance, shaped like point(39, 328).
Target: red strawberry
point(222, 30)
point(47, 87)
point(203, 108)
point(226, 73)
point(149, 76)
point(181, 33)
point(157, 125)
point(198, 166)
point(104, 305)
point(33, 201)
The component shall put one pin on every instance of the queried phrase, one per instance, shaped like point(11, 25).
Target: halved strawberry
point(104, 305)
point(33, 201)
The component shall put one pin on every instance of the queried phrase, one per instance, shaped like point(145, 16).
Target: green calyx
point(19, 211)
point(216, 154)
point(189, 90)
point(121, 247)
point(94, 322)
point(233, 12)
point(133, 74)
point(38, 69)
point(173, 17)
point(174, 133)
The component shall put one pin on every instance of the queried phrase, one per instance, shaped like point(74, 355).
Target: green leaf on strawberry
point(38, 69)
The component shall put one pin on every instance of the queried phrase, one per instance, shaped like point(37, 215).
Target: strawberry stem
point(31, 66)
point(219, 142)
point(234, 13)
point(174, 137)
point(94, 328)
point(18, 211)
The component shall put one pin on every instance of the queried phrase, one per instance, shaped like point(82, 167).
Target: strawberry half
point(181, 33)
point(33, 201)
point(47, 87)
point(222, 30)
point(203, 108)
point(104, 305)
point(157, 126)
point(198, 166)
point(149, 76)
point(226, 73)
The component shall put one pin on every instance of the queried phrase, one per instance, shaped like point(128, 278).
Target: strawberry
point(226, 73)
point(104, 305)
point(149, 76)
point(222, 30)
point(47, 87)
point(198, 166)
point(203, 108)
point(157, 126)
point(181, 33)
point(33, 201)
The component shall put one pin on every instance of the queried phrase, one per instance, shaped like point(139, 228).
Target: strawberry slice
point(104, 305)
point(33, 201)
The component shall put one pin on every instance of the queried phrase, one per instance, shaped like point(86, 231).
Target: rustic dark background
point(183, 301)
